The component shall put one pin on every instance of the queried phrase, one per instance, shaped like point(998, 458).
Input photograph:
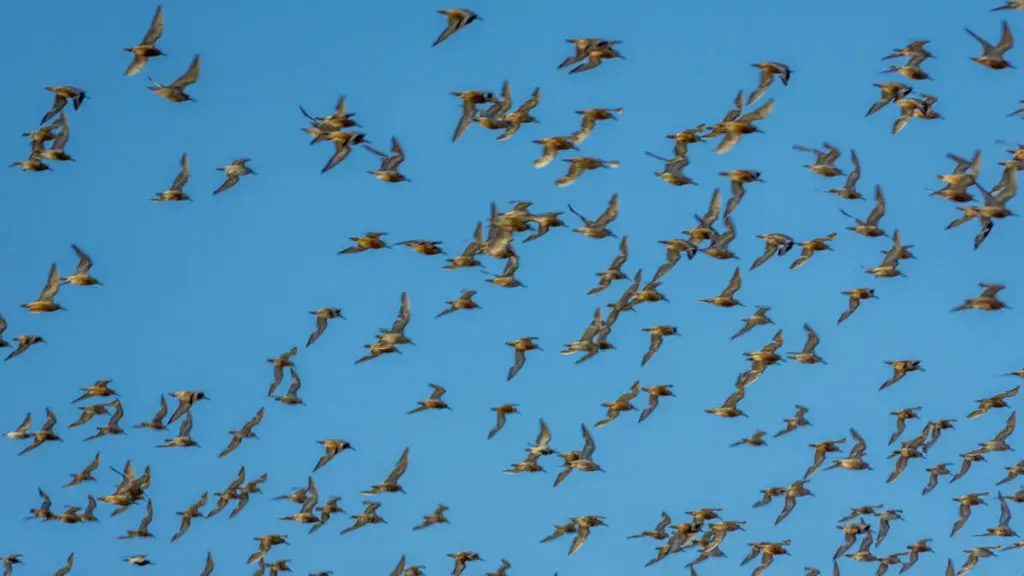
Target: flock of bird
point(705, 533)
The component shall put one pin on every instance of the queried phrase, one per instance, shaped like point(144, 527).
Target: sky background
point(198, 296)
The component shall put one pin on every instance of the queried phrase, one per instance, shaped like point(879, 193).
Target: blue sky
point(198, 296)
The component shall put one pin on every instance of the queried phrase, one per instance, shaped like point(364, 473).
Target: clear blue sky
point(198, 296)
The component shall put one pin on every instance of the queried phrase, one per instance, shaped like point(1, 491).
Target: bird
point(280, 363)
point(654, 394)
point(727, 298)
point(658, 334)
point(869, 226)
point(521, 346)
point(502, 414)
point(323, 316)
point(143, 51)
point(769, 70)
point(175, 91)
point(994, 56)
point(176, 193)
point(233, 173)
point(434, 402)
point(458, 18)
point(45, 302)
point(987, 301)
point(598, 228)
point(61, 96)
point(580, 164)
point(621, 404)
point(389, 163)
point(242, 433)
point(856, 296)
point(332, 447)
point(81, 277)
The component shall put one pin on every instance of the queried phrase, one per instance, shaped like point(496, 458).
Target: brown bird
point(825, 160)
point(291, 396)
point(596, 52)
point(856, 296)
point(463, 302)
point(368, 241)
point(583, 47)
point(769, 70)
point(193, 511)
point(727, 298)
point(997, 401)
point(112, 427)
point(44, 434)
point(45, 301)
point(233, 173)
point(86, 474)
point(583, 460)
point(621, 404)
point(332, 447)
point(147, 49)
point(458, 18)
point(521, 347)
point(891, 91)
point(797, 421)
point(502, 413)
point(184, 437)
point(242, 433)
point(176, 193)
point(280, 363)
point(580, 164)
point(902, 416)
point(598, 228)
point(755, 439)
point(733, 129)
point(614, 271)
point(994, 56)
point(143, 529)
point(807, 355)
point(323, 315)
point(658, 334)
point(551, 147)
point(809, 248)
point(654, 393)
point(869, 226)
point(81, 276)
point(434, 402)
point(461, 559)
point(66, 568)
point(729, 409)
point(933, 476)
point(61, 94)
point(175, 91)
point(900, 368)
point(988, 301)
point(581, 529)
point(435, 517)
point(759, 318)
point(389, 163)
point(1003, 529)
point(366, 517)
point(848, 191)
point(967, 501)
